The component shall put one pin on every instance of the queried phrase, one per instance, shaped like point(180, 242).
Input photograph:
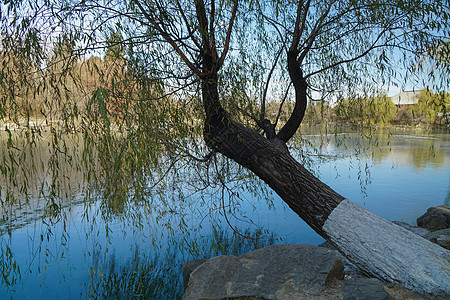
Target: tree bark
point(378, 247)
point(387, 251)
point(270, 160)
point(300, 87)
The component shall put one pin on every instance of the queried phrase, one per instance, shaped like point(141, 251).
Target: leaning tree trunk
point(378, 247)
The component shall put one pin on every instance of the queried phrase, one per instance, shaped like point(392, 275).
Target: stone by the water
point(440, 237)
point(437, 217)
point(303, 271)
point(188, 268)
point(364, 288)
point(274, 272)
point(284, 272)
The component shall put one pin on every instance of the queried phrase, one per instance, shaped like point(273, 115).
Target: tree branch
point(191, 33)
point(373, 46)
point(211, 27)
point(313, 35)
point(281, 104)
point(203, 24)
point(263, 100)
point(300, 86)
point(299, 27)
point(168, 39)
point(230, 29)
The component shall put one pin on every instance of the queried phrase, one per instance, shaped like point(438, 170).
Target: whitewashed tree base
point(388, 251)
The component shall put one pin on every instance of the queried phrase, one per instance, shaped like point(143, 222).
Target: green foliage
point(431, 107)
point(9, 269)
point(114, 44)
point(319, 113)
point(436, 62)
point(367, 111)
point(148, 279)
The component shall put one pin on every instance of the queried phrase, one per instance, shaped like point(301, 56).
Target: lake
point(137, 250)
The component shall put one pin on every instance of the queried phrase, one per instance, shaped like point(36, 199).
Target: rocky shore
point(304, 271)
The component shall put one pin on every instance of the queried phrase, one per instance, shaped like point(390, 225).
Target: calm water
point(138, 253)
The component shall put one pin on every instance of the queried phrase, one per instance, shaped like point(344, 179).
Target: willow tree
point(240, 54)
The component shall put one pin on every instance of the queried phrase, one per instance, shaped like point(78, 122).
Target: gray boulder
point(285, 272)
point(364, 288)
point(440, 237)
point(274, 272)
point(435, 218)
point(188, 268)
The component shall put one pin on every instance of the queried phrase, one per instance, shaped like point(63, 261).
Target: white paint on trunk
point(388, 251)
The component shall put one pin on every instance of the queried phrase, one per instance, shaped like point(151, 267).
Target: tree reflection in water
point(68, 227)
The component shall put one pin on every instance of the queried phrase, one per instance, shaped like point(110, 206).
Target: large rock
point(285, 272)
point(364, 288)
point(274, 272)
point(435, 218)
point(440, 237)
point(188, 268)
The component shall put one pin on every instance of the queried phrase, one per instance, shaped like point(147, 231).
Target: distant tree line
point(366, 110)
point(70, 87)
point(106, 88)
point(431, 109)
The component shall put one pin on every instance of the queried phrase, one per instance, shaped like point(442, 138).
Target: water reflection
point(405, 147)
point(41, 174)
point(400, 172)
point(149, 276)
point(87, 243)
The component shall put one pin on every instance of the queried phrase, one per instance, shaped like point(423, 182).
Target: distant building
point(406, 98)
